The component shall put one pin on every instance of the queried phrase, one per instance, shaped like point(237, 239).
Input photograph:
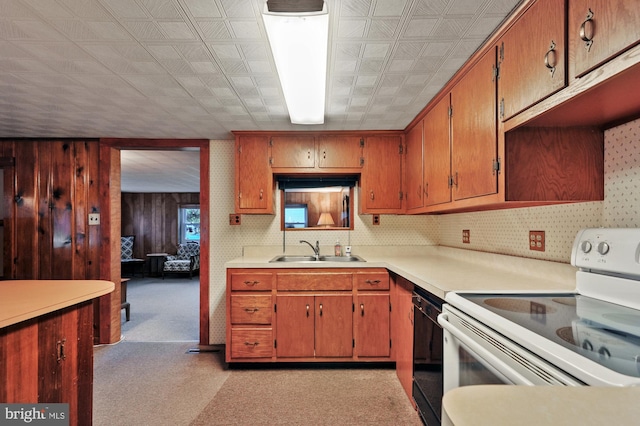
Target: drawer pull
point(251, 310)
point(372, 282)
point(251, 283)
point(362, 309)
point(253, 344)
point(307, 310)
point(551, 63)
point(321, 309)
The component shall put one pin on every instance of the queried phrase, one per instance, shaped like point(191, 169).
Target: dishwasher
point(427, 356)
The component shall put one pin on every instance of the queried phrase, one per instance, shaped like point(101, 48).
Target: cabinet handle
point(324, 154)
point(251, 310)
point(321, 309)
point(362, 309)
point(371, 196)
point(426, 190)
point(307, 310)
point(253, 344)
point(60, 350)
point(586, 31)
point(551, 63)
point(420, 191)
point(251, 283)
point(372, 282)
point(261, 194)
point(410, 317)
point(308, 154)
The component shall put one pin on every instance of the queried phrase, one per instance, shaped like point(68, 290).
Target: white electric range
point(587, 337)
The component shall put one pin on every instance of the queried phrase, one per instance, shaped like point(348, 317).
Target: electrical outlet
point(536, 240)
point(234, 219)
point(466, 236)
point(94, 219)
point(376, 219)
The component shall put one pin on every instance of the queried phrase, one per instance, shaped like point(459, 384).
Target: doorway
point(112, 149)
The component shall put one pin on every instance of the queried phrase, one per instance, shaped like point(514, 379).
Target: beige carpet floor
point(310, 396)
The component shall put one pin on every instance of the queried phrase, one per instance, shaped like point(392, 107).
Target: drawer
point(251, 309)
point(314, 281)
point(251, 343)
point(371, 280)
point(252, 281)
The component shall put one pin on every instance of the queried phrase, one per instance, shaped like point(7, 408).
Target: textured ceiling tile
point(50, 9)
point(238, 8)
point(383, 29)
point(163, 52)
point(449, 28)
point(161, 9)
point(214, 30)
point(371, 65)
point(484, 26)
point(351, 28)
point(345, 66)
point(204, 67)
point(259, 67)
point(177, 30)
point(232, 66)
point(408, 50)
point(438, 48)
point(431, 7)
point(143, 30)
point(30, 30)
point(376, 50)
point(355, 8)
point(390, 8)
point(177, 67)
point(88, 9)
point(194, 51)
point(108, 31)
point(465, 7)
point(246, 30)
point(255, 51)
point(202, 8)
point(226, 51)
point(127, 9)
point(421, 27)
point(401, 65)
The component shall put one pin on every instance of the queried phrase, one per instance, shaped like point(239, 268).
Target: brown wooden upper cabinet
point(338, 151)
point(531, 57)
point(253, 179)
point(600, 30)
point(452, 153)
point(474, 134)
point(381, 179)
point(293, 151)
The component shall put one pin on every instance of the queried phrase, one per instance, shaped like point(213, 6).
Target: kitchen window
point(189, 222)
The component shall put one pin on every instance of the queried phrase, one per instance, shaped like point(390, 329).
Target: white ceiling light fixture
point(299, 45)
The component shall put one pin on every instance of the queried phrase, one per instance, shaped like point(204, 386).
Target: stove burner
point(517, 305)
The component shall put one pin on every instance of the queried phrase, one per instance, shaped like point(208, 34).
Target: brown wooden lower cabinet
point(49, 359)
point(332, 314)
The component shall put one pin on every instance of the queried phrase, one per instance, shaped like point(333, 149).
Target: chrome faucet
point(316, 249)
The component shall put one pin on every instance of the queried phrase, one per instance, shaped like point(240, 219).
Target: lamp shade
point(325, 219)
point(299, 43)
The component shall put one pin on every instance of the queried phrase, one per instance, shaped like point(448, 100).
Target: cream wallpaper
point(500, 231)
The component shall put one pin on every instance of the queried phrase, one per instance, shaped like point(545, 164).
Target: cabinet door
point(292, 152)
point(340, 151)
point(413, 182)
point(402, 334)
point(474, 139)
point(599, 30)
point(295, 325)
point(372, 325)
point(532, 57)
point(334, 325)
point(382, 175)
point(254, 180)
point(437, 154)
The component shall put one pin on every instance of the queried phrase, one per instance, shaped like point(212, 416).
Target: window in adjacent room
point(189, 223)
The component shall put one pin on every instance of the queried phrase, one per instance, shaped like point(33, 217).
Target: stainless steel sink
point(298, 258)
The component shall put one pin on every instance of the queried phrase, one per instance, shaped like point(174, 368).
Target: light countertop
point(21, 300)
point(438, 269)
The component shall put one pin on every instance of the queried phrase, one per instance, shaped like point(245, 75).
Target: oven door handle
point(496, 365)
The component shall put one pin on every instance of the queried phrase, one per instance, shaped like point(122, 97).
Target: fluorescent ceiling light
point(299, 46)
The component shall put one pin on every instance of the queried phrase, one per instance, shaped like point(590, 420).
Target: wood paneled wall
point(153, 219)
point(50, 189)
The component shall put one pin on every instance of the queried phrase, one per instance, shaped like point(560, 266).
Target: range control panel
point(608, 250)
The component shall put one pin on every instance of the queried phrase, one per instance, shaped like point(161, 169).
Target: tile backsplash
point(499, 231)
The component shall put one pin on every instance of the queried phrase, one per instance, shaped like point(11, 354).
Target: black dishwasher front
point(427, 356)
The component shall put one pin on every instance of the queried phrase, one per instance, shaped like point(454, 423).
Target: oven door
point(474, 354)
